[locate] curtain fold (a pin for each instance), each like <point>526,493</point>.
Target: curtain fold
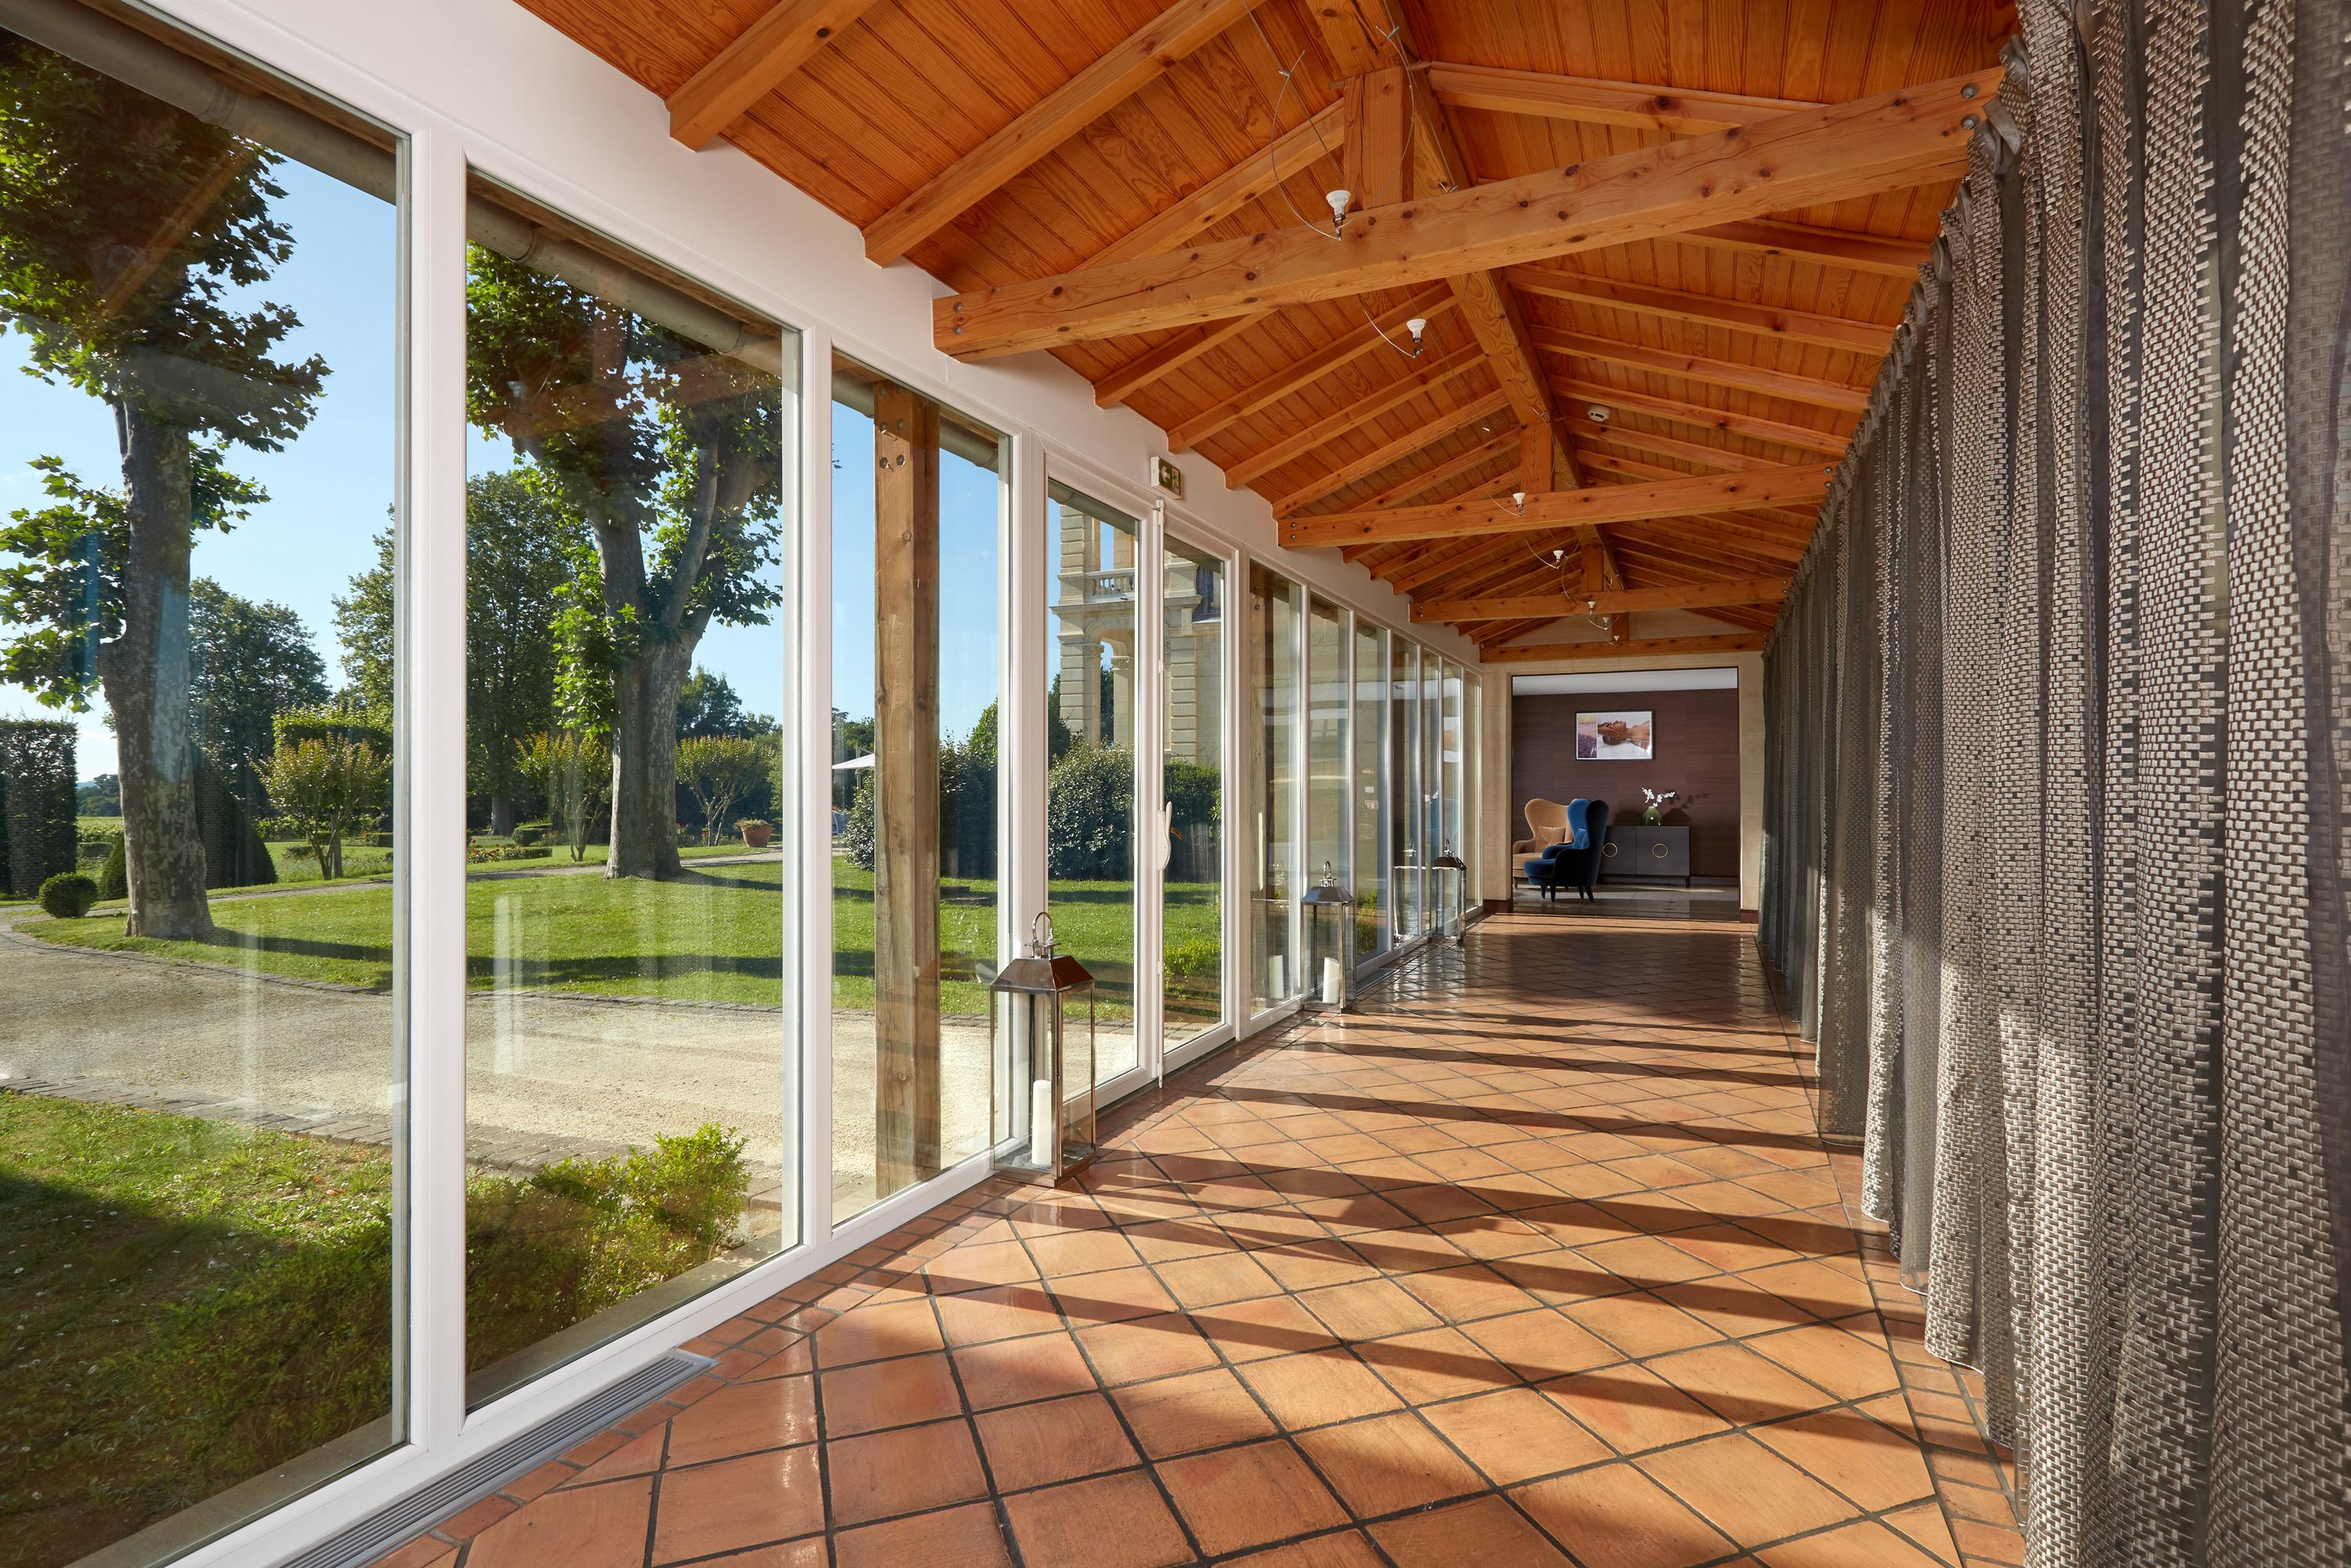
<point>2059,737</point>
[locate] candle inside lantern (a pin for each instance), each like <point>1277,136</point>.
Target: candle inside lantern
<point>1043,1123</point>
<point>1274,987</point>
<point>1335,985</point>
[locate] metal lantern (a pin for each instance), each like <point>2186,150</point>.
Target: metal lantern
<point>1046,1131</point>
<point>1449,864</point>
<point>1330,912</point>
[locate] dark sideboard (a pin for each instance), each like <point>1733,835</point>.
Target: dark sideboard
<point>1635,851</point>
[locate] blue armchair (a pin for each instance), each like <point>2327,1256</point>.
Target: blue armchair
<point>1574,862</point>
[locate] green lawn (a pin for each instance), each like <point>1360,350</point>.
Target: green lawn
<point>714,935</point>
<point>187,1303</point>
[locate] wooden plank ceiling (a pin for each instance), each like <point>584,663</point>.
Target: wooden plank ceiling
<point>1586,200</point>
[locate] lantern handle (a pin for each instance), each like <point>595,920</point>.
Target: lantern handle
<point>1041,935</point>
<point>1330,877</point>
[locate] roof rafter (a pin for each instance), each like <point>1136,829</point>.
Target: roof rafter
<point>1676,411</point>
<point>1679,110</point>
<point>1690,596</point>
<point>1430,302</point>
<point>1145,55</point>
<point>1810,156</point>
<point>1865,337</point>
<point>1827,247</point>
<point>1425,434</point>
<point>1644,647</point>
<point>1752,378</point>
<point>747,70</point>
<point>1362,412</point>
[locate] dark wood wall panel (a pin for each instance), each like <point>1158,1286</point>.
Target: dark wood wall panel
<point>1698,754</point>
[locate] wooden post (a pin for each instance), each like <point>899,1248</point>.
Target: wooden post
<point>1376,162</point>
<point>906,788</point>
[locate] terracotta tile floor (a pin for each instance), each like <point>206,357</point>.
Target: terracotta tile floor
<point>1538,1261</point>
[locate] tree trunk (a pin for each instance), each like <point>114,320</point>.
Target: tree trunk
<point>644,763</point>
<point>502,815</point>
<point>145,676</point>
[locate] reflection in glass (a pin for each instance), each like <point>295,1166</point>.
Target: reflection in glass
<point>1327,834</point>
<point>627,1061</point>
<point>917,506</point>
<point>1404,781</point>
<point>1371,740</point>
<point>1090,709</point>
<point>199,1058</point>
<point>1193,769</point>
<point>1451,749</point>
<point>1276,605</point>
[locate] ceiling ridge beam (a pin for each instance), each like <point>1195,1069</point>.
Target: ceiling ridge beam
<point>1681,112</point>
<point>1688,496</point>
<point>1144,56</point>
<point>757,63</point>
<point>1865,337</point>
<point>1688,596</point>
<point>1638,648</point>
<point>1430,303</point>
<point>1425,434</point>
<point>1753,379</point>
<point>1797,160</point>
<point>1357,413</point>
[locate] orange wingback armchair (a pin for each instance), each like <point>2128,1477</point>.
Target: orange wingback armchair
<point>1546,826</point>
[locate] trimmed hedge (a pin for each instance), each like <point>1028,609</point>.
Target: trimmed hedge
<point>298,725</point>
<point>69,895</point>
<point>39,834</point>
<point>235,855</point>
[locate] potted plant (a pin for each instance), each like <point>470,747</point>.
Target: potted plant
<point>756,833</point>
<point>1660,801</point>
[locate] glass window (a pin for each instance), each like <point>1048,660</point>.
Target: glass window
<point>1452,885</point>
<point>1276,606</point>
<point>1328,837</point>
<point>1371,741</point>
<point>629,1062</point>
<point>1432,784</point>
<point>1404,782</point>
<point>200,1209</point>
<point>1192,769</point>
<point>918,525</point>
<point>1090,828</point>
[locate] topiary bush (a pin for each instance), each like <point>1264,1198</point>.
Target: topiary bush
<point>69,895</point>
<point>114,882</point>
<point>1090,813</point>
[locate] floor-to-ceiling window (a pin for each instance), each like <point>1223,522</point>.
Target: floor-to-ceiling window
<point>1329,839</point>
<point>203,765</point>
<point>1276,609</point>
<point>628,1063</point>
<point>1371,791</point>
<point>1192,767</point>
<point>917,523</point>
<point>1431,786</point>
<point>1407,823</point>
<point>1092,559</point>
<point>1454,885</point>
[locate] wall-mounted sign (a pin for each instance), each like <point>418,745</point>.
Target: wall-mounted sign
<point>1166,478</point>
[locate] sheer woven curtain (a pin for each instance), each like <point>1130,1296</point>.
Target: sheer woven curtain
<point>2055,855</point>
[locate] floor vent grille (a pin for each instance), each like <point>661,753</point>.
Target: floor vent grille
<point>396,1522</point>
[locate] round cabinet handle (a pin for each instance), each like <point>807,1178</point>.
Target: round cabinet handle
<point>1609,848</point>
<point>1658,851</point>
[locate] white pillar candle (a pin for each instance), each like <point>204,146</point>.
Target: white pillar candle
<point>1334,989</point>
<point>1274,988</point>
<point>1043,1124</point>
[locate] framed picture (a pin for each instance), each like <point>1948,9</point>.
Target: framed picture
<point>1627,735</point>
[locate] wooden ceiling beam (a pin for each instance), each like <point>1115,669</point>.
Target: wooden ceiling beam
<point>1362,412</point>
<point>1824,247</point>
<point>1753,379</point>
<point>1690,495</point>
<point>1591,101</point>
<point>1427,434</point>
<point>1444,557</point>
<point>1678,305</point>
<point>1845,151</point>
<point>1623,601</point>
<point>1453,468</point>
<point>1614,434</point>
<point>1298,148</point>
<point>1676,411</point>
<point>1430,302</point>
<point>1642,647</point>
<point>1164,359</point>
<point>747,70</point>
<point>1143,57</point>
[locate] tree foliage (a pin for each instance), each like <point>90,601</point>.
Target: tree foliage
<point>37,839</point>
<point>328,785</point>
<point>572,771</point>
<point>247,663</point>
<point>708,705</point>
<point>720,771</point>
<point>1090,813</point>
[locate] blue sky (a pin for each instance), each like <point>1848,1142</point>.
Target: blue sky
<point>332,490</point>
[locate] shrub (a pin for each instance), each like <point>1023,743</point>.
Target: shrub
<point>573,771</point>
<point>327,784</point>
<point>719,771</point>
<point>38,805</point>
<point>69,895</point>
<point>488,855</point>
<point>530,833</point>
<point>1090,812</point>
<point>114,882</point>
<point>1196,958</point>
